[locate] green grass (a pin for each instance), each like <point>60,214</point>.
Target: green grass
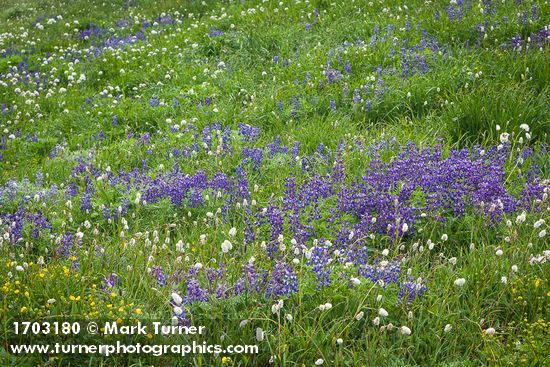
<point>472,91</point>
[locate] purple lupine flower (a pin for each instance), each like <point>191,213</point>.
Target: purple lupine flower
<point>158,274</point>
<point>226,140</point>
<point>66,247</point>
<point>154,102</point>
<point>86,200</point>
<point>319,262</point>
<point>166,20</point>
<point>333,75</point>
<point>195,293</point>
<point>456,10</point>
<point>296,149</point>
<point>215,32</point>
<point>110,281</point>
<point>356,96</point>
<point>382,272</point>
<point>252,155</point>
<point>249,133</point>
<point>239,287</point>
<point>411,289</point>
<point>347,68</point>
<point>283,280</point>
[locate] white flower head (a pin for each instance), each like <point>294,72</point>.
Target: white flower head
<point>504,138</point>
<point>277,307</point>
<point>177,298</point>
<point>243,323</point>
<point>460,282</point>
<point>226,246</point>
<point>524,127</point>
<point>521,218</point>
<point>259,334</point>
<point>382,312</point>
<point>538,223</point>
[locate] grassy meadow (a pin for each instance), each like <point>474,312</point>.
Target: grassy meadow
<point>339,183</point>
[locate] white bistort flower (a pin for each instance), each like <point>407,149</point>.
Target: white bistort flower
<point>277,307</point>
<point>355,281</point>
<point>177,298</point>
<point>243,323</point>
<point>460,282</point>
<point>226,246</point>
<point>524,127</point>
<point>521,218</point>
<point>259,334</point>
<point>504,138</point>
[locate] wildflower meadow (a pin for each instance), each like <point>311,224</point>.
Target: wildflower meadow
<point>275,183</point>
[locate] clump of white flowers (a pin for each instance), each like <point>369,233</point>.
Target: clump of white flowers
<point>460,282</point>
<point>226,246</point>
